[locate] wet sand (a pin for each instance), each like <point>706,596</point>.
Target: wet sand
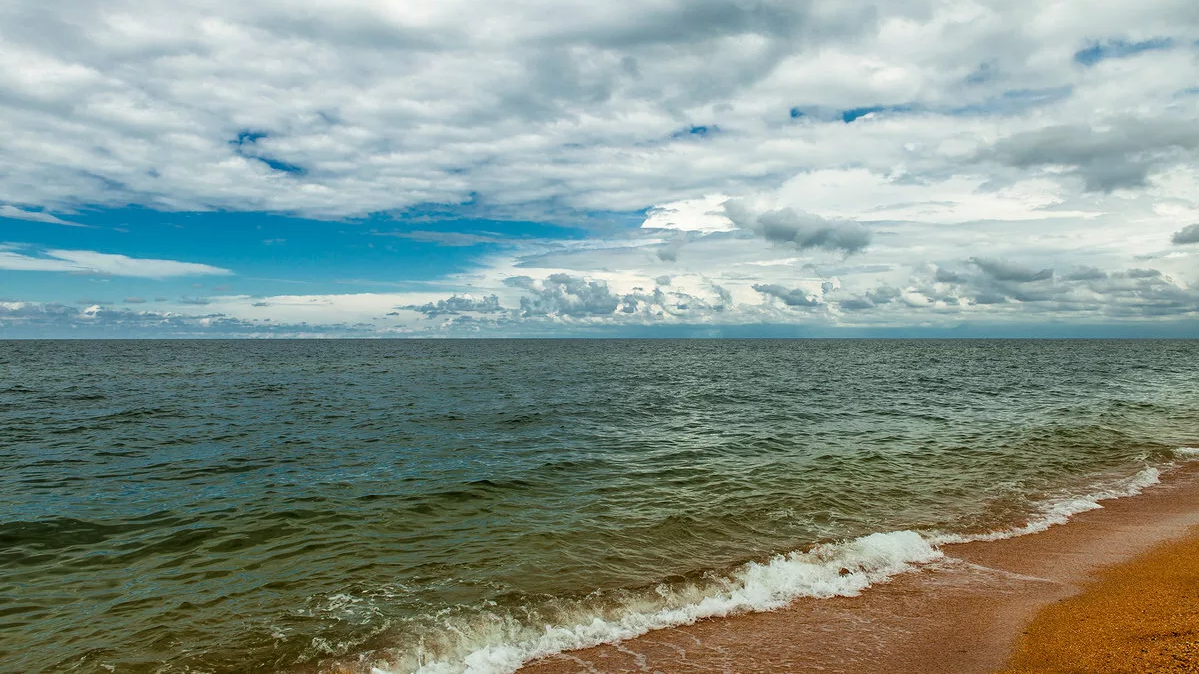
<point>968,612</point>
<point>1140,616</point>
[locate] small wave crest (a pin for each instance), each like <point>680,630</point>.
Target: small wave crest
<point>826,570</point>
<point>1058,510</point>
<point>493,644</point>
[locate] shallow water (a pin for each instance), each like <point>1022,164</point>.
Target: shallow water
<point>260,506</point>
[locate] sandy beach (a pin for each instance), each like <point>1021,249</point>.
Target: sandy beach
<point>1112,590</point>
<point>1138,616</point>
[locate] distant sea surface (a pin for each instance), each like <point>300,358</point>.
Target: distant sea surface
<point>451,506</point>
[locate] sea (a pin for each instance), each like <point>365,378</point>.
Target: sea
<point>451,506</point>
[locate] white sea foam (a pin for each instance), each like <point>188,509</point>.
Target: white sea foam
<point>827,570</point>
<point>1059,510</point>
<point>833,569</point>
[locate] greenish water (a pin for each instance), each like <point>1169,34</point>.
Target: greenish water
<point>263,506</point>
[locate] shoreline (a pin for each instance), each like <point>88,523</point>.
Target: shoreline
<point>963,613</point>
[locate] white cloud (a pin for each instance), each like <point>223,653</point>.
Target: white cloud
<point>378,106</point>
<point>92,262</point>
<point>691,215</point>
<point>936,132</point>
<point>8,211</point>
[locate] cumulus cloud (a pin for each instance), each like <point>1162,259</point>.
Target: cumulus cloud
<point>457,305</point>
<point>1005,287</point>
<point>803,230</point>
<point>565,295</point>
<point>1188,234</point>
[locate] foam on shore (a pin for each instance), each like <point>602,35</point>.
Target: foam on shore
<point>493,644</point>
<point>827,570</point>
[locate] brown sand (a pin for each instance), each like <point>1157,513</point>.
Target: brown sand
<point>1141,616</point>
<point>964,614</point>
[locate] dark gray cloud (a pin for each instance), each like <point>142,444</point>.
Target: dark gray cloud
<point>1121,156</point>
<point>670,252</point>
<point>1085,274</point>
<point>134,300</point>
<point>792,297</point>
<point>1000,270</point>
<point>803,230</point>
<point>943,275</point>
<point>1189,234</point>
<point>870,299</point>
<point>1143,273</point>
<point>457,305</point>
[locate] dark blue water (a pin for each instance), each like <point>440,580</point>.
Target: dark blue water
<point>262,506</point>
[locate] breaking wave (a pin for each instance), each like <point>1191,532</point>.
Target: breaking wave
<point>493,644</point>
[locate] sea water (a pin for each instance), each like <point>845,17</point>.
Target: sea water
<point>464,506</point>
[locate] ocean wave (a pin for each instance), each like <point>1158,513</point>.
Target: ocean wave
<point>826,570</point>
<point>497,645</point>
<point>1058,510</point>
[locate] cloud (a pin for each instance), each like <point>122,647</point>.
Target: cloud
<point>875,145</point>
<point>669,252</point>
<point>1121,156</point>
<point>792,297</point>
<point>30,319</point>
<point>455,239</point>
<point>803,230</point>
<point>870,299</point>
<point>457,305</point>
<point>92,262</point>
<point>367,108</point>
<point>564,295</point>
<point>7,211</point>
<point>1085,274</point>
<point>1005,271</point>
<point>1188,234</point>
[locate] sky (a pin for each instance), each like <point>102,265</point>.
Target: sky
<point>674,168</point>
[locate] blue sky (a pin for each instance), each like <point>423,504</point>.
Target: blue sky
<point>699,168</point>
